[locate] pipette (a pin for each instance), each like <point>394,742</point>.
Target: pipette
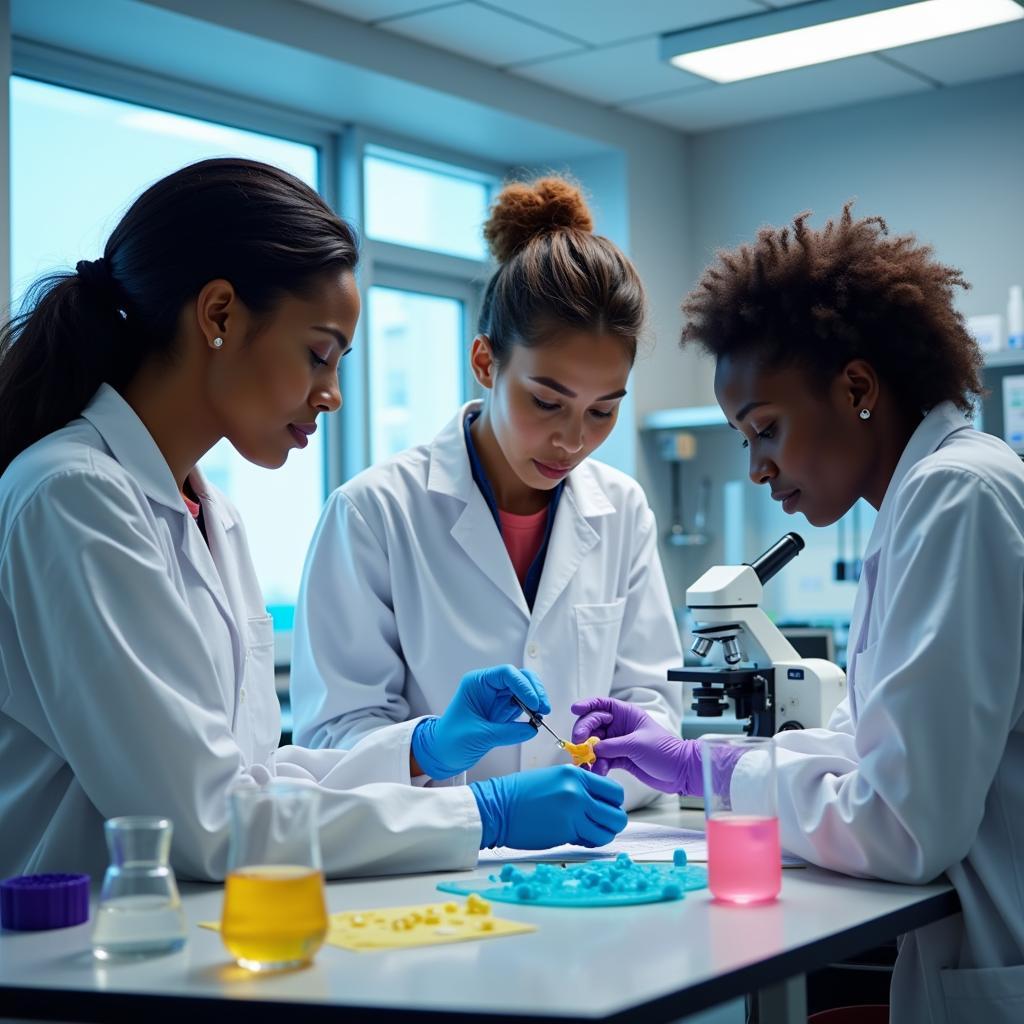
<point>537,721</point>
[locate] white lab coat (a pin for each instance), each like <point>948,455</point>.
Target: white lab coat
<point>408,585</point>
<point>136,676</point>
<point>921,770</point>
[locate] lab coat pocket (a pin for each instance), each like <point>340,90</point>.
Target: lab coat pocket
<point>258,691</point>
<point>862,672</point>
<point>597,629</point>
<point>993,995</point>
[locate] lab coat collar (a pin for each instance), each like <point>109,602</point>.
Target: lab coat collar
<point>134,448</point>
<point>450,472</point>
<point>931,433</point>
<point>588,494</point>
<point>132,445</point>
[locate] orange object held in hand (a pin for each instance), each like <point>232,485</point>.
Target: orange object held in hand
<point>582,753</point>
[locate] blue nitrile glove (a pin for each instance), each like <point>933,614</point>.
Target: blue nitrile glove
<point>548,807</point>
<point>480,717</point>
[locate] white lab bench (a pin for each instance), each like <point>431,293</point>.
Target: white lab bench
<point>651,963</point>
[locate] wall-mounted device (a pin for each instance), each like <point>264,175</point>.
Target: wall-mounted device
<point>1002,409</point>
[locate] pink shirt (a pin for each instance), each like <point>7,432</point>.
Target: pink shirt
<point>523,536</point>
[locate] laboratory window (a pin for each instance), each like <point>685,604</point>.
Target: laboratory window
<point>76,161</point>
<point>417,352</point>
<point>425,204</point>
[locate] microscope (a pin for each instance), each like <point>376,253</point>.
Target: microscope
<point>770,687</point>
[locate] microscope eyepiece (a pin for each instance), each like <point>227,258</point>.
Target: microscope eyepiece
<point>701,646</point>
<point>778,555</point>
<point>731,651</point>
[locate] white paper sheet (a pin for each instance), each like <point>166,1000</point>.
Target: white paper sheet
<point>641,840</point>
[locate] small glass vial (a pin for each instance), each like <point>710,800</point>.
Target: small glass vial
<point>139,912</point>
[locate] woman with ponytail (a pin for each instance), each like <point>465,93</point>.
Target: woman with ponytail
<point>502,539</point>
<point>136,670</point>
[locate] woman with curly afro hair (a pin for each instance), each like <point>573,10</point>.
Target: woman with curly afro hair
<point>502,539</point>
<point>843,365</point>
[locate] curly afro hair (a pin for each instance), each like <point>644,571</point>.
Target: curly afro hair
<point>818,299</point>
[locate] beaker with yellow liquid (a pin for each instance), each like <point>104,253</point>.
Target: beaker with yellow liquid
<point>274,915</point>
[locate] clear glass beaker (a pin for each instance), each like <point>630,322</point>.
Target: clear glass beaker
<point>139,912</point>
<point>744,852</point>
<point>275,915</point>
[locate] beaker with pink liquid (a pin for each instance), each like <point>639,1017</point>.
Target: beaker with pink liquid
<point>744,851</point>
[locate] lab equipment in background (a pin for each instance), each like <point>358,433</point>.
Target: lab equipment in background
<point>33,903</point>
<point>769,686</point>
<point>744,850</point>
<point>1013,411</point>
<point>847,570</point>
<point>811,641</point>
<point>677,448</point>
<point>1002,406</point>
<point>275,915</point>
<point>1015,318</point>
<point>139,912</point>
<point>987,331</point>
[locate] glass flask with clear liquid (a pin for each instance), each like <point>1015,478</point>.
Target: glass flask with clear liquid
<point>139,912</point>
<point>275,915</point>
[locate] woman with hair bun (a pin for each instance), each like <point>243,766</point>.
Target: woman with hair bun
<point>502,540</point>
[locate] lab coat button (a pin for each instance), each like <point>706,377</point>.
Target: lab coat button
<point>241,694</point>
<point>532,650</point>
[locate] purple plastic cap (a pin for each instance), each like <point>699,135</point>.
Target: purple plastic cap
<point>31,903</point>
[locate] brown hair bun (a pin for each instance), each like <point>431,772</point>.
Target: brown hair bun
<point>526,210</point>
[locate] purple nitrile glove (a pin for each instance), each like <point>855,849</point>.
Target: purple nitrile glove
<point>630,739</point>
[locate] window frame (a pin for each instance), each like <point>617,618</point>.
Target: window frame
<point>421,282</point>
<point>341,148</point>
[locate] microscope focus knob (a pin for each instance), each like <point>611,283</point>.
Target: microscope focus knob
<point>789,726</point>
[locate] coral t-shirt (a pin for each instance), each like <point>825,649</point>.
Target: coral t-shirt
<point>523,536</point>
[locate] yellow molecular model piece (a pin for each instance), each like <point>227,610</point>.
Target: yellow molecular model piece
<point>427,925</point>
<point>582,753</point>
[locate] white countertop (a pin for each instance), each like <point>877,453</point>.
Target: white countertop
<point>657,961</point>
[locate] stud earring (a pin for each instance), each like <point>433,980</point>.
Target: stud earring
<point>216,343</point>
<point>865,414</point>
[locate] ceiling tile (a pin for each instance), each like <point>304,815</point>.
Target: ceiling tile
<point>610,21</point>
<point>968,57</point>
<point>481,34</point>
<point>372,10</point>
<point>612,74</point>
<point>792,92</point>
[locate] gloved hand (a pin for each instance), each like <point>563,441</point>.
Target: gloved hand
<point>632,740</point>
<point>548,807</point>
<point>480,717</point>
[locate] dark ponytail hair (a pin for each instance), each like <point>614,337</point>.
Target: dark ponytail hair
<point>252,224</point>
<point>554,271</point>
